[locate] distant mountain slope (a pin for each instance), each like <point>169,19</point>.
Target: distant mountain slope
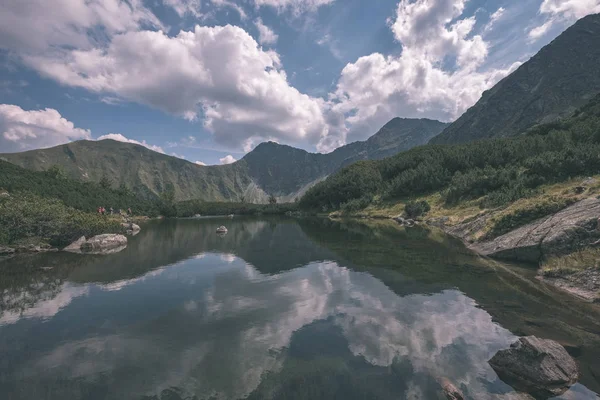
<point>270,168</point>
<point>561,77</point>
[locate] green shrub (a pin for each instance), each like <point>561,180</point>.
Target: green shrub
<point>356,205</point>
<point>415,209</point>
<point>25,217</point>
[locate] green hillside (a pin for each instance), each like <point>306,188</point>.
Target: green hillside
<point>498,170</point>
<point>270,169</point>
<point>563,76</point>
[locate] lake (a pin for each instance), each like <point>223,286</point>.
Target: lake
<point>277,309</point>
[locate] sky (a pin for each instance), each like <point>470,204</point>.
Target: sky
<point>208,80</point>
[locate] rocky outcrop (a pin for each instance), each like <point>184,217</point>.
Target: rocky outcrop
<point>131,228</point>
<point>584,284</point>
<point>104,244</point>
<point>540,367</point>
<point>571,229</point>
<point>76,245</point>
<point>6,251</point>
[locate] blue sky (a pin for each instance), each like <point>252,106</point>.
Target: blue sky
<point>207,80</point>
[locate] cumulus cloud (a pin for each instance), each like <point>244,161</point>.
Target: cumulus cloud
<point>266,35</point>
<point>376,88</point>
<point>563,11</point>
<point>227,160</point>
<point>296,6</point>
<point>34,25</point>
<point>25,130</point>
<point>200,163</point>
<point>241,89</point>
<point>120,138</point>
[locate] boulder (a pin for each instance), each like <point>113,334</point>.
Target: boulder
<point>540,367</point>
<point>131,228</point>
<point>75,247</point>
<point>104,244</point>
<point>569,230</point>
<point>399,220</point>
<point>4,251</point>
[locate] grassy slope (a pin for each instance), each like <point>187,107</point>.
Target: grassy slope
<point>275,169</point>
<point>142,170</point>
<point>468,210</point>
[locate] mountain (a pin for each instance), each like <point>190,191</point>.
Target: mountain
<point>560,78</point>
<point>270,168</point>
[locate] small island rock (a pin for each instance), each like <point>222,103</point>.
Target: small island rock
<point>540,367</point>
<point>76,245</point>
<point>104,244</point>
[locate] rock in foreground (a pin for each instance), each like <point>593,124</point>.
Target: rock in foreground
<point>101,244</point>
<point>571,229</point>
<point>540,367</point>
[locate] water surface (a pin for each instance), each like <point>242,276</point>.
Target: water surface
<point>276,309</point>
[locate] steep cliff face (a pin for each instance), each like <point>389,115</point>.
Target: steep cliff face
<point>561,77</point>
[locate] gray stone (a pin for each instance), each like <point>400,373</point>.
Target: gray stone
<point>540,367</point>
<point>4,251</point>
<point>570,229</point>
<point>104,244</point>
<point>75,247</point>
<point>131,228</point>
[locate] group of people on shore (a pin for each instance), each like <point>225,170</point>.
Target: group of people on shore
<point>111,211</point>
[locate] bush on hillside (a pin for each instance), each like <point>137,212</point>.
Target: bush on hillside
<point>416,209</point>
<point>26,217</point>
<point>499,171</point>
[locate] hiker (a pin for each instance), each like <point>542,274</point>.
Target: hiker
<point>129,211</point>
<point>111,211</point>
<point>100,210</point>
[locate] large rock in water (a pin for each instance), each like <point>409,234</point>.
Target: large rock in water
<point>540,367</point>
<point>104,244</point>
<point>75,247</point>
<point>568,230</point>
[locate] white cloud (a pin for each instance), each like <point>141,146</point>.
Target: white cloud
<point>494,18</point>
<point>227,160</point>
<point>296,6</point>
<point>266,34</point>
<point>120,138</point>
<point>565,11</point>
<point>376,88</point>
<point>232,5</point>
<point>541,30</point>
<point>200,163</point>
<point>183,7</point>
<point>241,89</point>
<point>25,130</point>
<point>33,25</point>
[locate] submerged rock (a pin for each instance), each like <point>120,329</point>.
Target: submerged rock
<point>104,244</point>
<point>540,367</point>
<point>450,391</point>
<point>568,230</point>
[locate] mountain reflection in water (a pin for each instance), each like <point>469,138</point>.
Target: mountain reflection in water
<point>277,309</point>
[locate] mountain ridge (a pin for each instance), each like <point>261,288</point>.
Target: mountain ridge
<point>270,169</point>
<point>561,77</point>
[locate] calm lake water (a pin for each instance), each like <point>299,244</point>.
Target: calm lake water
<point>276,309</point>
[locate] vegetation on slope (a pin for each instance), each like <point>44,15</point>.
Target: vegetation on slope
<point>27,218</point>
<point>270,169</point>
<point>84,196</point>
<point>190,208</point>
<point>497,171</point>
